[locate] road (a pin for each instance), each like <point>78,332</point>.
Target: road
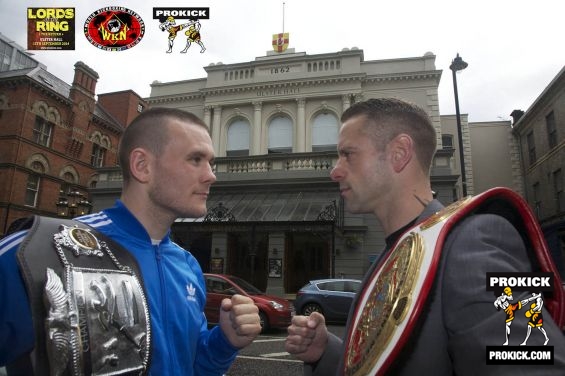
<point>266,356</point>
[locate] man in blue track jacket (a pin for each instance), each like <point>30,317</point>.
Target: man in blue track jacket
<point>166,157</point>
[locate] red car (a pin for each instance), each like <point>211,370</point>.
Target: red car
<point>274,312</point>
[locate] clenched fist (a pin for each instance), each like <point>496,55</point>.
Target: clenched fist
<point>239,320</point>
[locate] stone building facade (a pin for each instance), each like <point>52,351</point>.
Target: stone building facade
<point>540,133</point>
<point>274,124</point>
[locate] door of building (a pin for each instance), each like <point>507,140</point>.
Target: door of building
<point>247,257</point>
<point>307,257</point>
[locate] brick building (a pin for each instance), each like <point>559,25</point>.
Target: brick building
<point>53,136</point>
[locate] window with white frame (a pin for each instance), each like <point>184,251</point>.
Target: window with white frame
<point>97,156</point>
<point>324,132</point>
<point>42,131</point>
<point>100,143</point>
<point>32,190</point>
<point>238,138</point>
<point>280,135</point>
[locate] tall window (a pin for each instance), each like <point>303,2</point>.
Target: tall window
<point>531,147</point>
<point>69,179</point>
<point>558,191</point>
<point>42,131</point>
<point>324,132</point>
<point>100,143</point>
<point>551,130</point>
<point>32,190</point>
<point>280,135</point>
<point>97,156</point>
<point>447,141</point>
<point>238,138</point>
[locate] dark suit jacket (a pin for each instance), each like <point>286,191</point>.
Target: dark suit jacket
<point>460,320</point>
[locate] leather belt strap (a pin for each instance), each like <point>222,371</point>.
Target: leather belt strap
<point>390,304</point>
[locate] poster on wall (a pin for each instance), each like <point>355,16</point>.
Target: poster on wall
<point>275,268</point>
<point>217,265</point>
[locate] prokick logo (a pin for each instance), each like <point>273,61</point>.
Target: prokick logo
<point>114,28</point>
<point>168,21</point>
<point>525,311</point>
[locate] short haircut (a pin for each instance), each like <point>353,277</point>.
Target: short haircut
<point>389,117</point>
<point>149,130</point>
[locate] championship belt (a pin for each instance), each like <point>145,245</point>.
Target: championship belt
<point>89,309</point>
<point>389,305</point>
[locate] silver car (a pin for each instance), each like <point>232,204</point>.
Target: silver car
<point>330,297</point>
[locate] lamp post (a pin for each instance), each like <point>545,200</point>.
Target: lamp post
<point>458,64</point>
<point>72,204</point>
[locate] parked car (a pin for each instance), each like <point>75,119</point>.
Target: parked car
<point>274,312</point>
<point>331,297</point>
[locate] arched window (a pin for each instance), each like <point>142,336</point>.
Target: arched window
<point>70,179</point>
<point>280,135</point>
<point>238,138</point>
<point>37,166</point>
<point>42,131</point>
<point>38,163</point>
<point>324,132</point>
<point>100,143</point>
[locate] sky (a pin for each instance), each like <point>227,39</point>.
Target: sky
<point>514,48</point>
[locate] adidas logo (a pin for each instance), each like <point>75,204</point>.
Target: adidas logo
<point>191,291</point>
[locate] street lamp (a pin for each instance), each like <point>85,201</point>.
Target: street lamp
<point>72,204</point>
<point>458,64</point>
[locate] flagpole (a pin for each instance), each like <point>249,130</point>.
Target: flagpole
<point>283,18</point>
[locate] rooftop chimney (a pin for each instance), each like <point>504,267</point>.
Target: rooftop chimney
<point>85,80</point>
<point>516,115</point>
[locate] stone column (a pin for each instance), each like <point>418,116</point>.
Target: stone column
<point>257,129</point>
<point>300,126</point>
<point>346,99</point>
<point>207,116</point>
<point>216,124</point>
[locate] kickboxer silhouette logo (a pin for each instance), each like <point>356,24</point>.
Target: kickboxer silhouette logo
<point>533,313</point>
<point>527,310</point>
<point>168,21</point>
